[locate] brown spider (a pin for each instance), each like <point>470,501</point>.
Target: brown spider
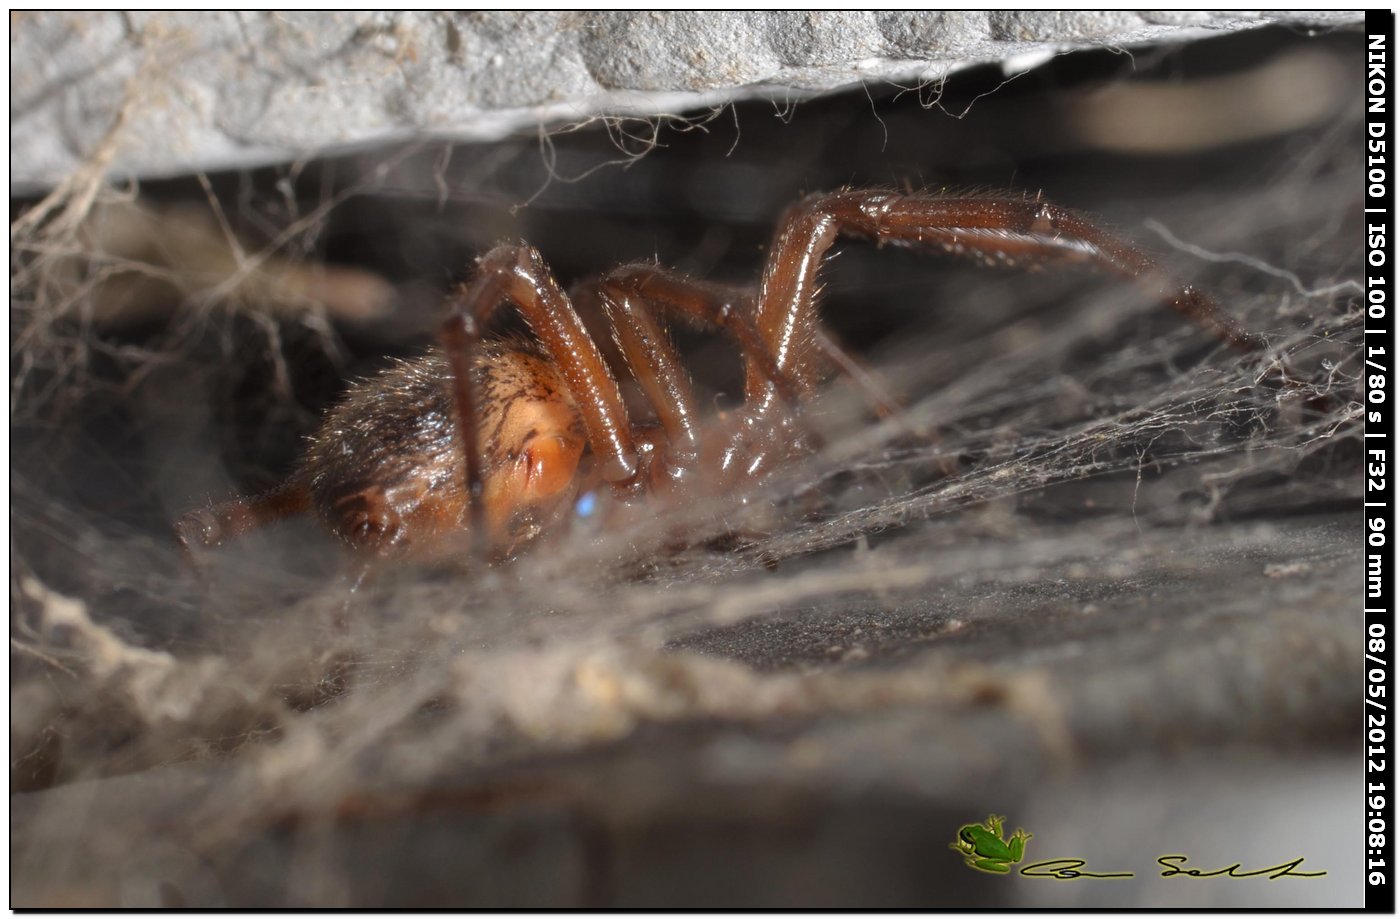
<point>489,436</point>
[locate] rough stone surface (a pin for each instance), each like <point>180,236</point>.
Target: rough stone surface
<point>205,90</point>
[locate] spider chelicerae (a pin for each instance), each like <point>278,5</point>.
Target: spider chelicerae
<point>488,437</point>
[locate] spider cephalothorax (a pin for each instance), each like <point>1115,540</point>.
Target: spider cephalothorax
<point>488,438</point>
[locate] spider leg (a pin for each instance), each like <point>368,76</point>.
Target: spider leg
<point>209,528</point>
<point>657,368</point>
<point>1012,232</point>
<point>630,295</point>
<point>518,274</point>
<point>728,309</point>
<point>713,306</point>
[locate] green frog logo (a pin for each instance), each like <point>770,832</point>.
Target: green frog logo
<point>983,848</point>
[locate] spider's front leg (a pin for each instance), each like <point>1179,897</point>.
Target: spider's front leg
<point>518,274</point>
<point>998,231</point>
<point>1008,232</point>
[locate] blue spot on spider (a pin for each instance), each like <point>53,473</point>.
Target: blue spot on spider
<point>586,504</point>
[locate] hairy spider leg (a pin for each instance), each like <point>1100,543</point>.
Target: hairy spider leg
<point>728,309</point>
<point>631,293</point>
<point>711,305</point>
<point>631,296</point>
<point>657,368</point>
<point>518,274</point>
<point>1011,232</point>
